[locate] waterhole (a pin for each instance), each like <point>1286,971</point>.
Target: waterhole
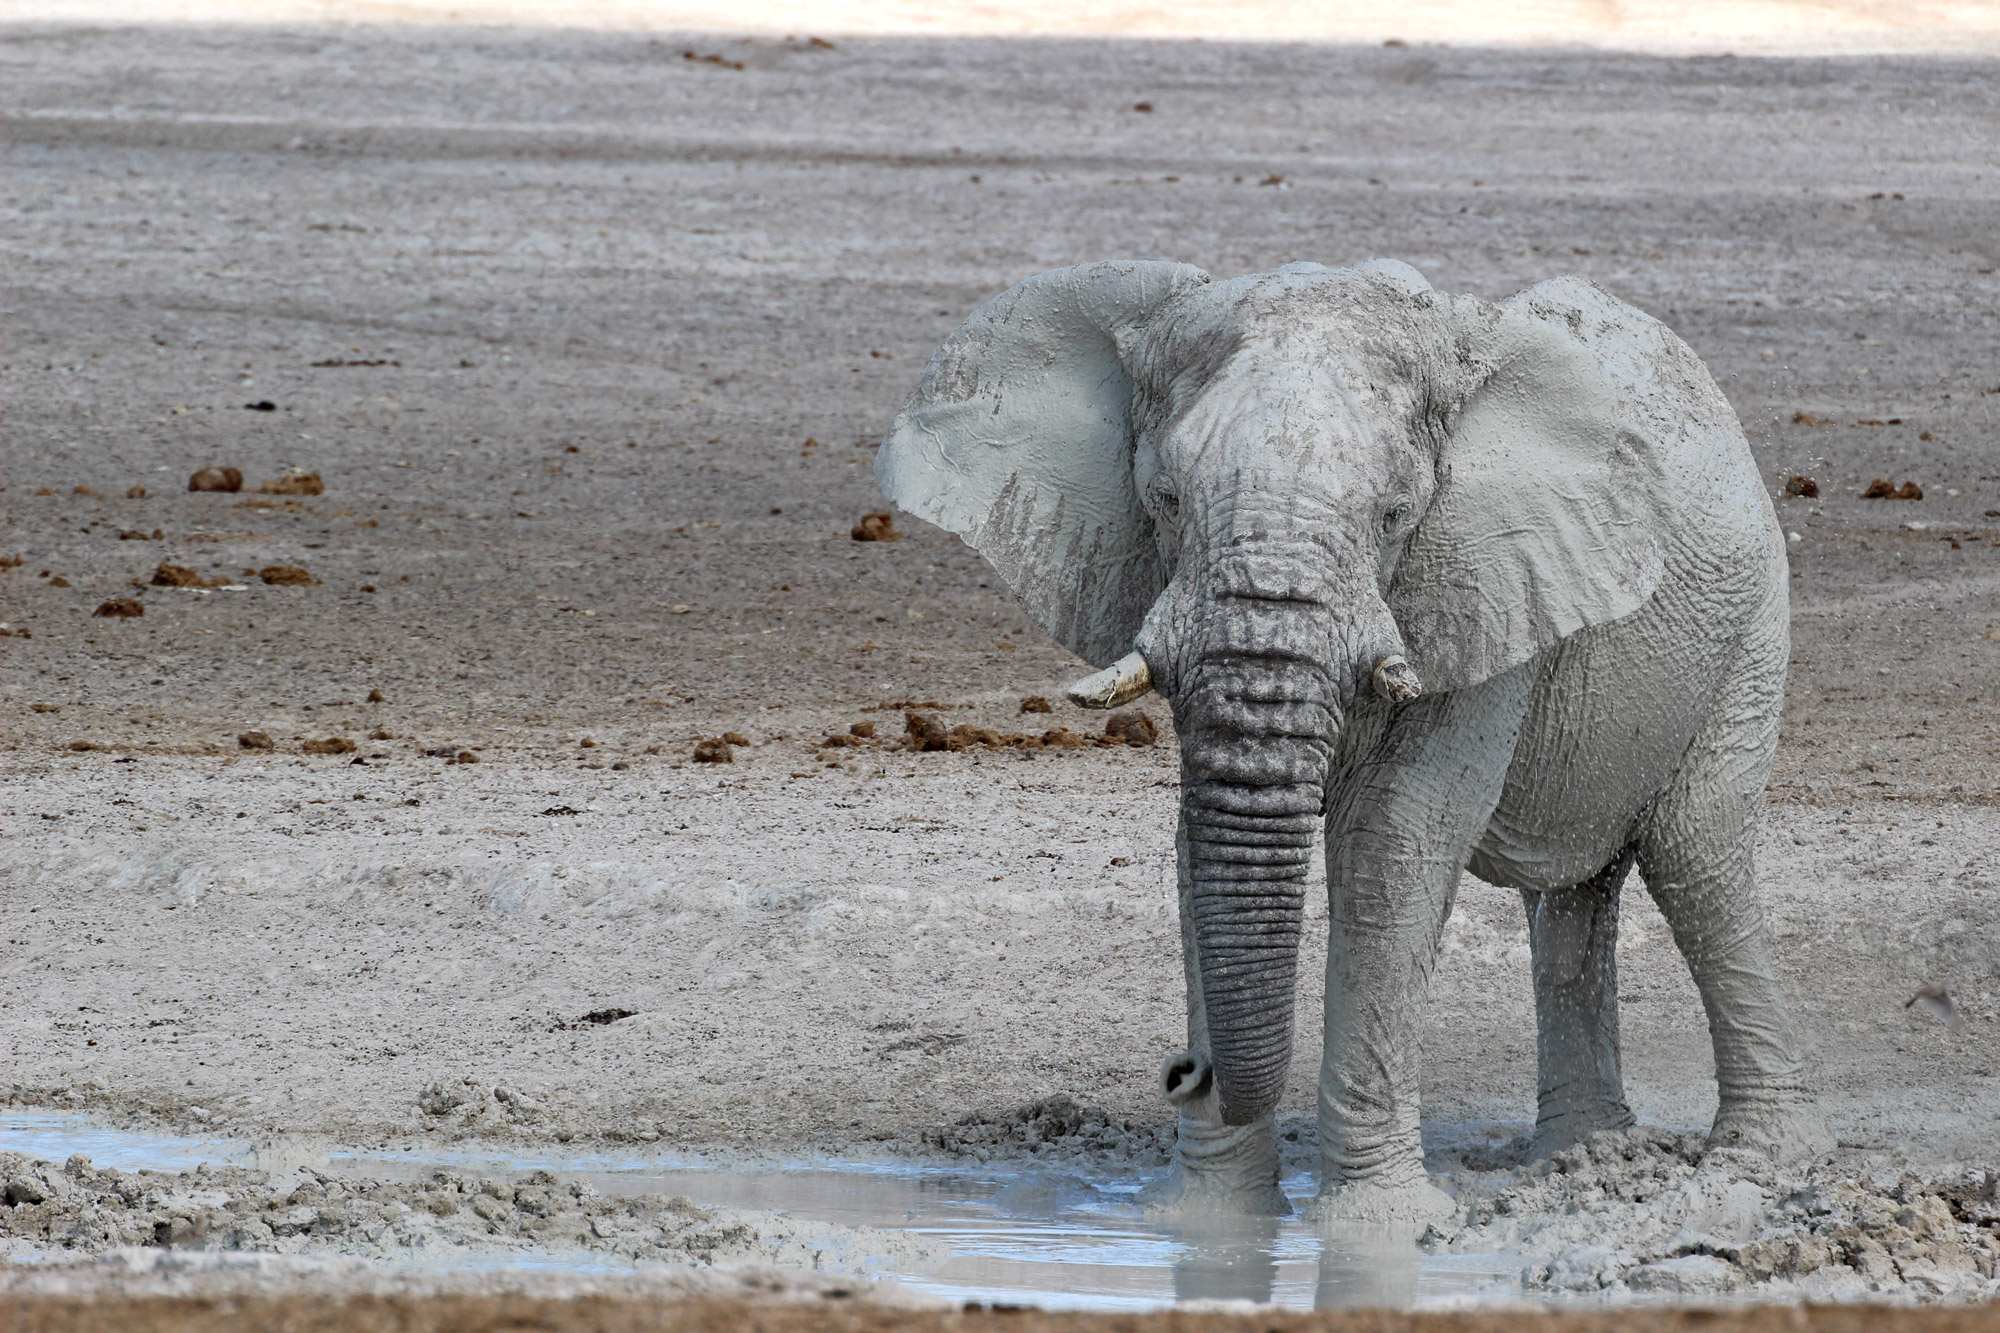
<point>1019,1234</point>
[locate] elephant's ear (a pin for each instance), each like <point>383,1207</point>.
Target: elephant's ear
<point>1019,439</point>
<point>1548,503</point>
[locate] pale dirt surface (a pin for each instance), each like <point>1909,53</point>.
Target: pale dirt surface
<point>683,271</point>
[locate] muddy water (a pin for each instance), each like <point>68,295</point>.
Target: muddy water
<point>1019,1234</point>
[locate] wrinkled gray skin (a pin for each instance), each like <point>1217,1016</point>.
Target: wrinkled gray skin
<point>1269,486</point>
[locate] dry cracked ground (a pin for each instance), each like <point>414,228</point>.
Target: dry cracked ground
<point>588,340</point>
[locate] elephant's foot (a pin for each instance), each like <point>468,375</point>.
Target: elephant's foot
<point>1788,1130</point>
<point>1221,1169</point>
<point>1400,1197</point>
<point>1561,1127</point>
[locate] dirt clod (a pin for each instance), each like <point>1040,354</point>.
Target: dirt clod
<point>1803,418</point>
<point>1062,738</point>
<point>288,576</point>
<point>295,483</point>
<point>1035,703</point>
<point>135,492</point>
<point>865,730</point>
<point>120,608</point>
<point>381,734</point>
<point>377,697</point>
<point>216,479</point>
<point>170,575</point>
<point>714,751</point>
<point>256,740</point>
<point>876,527</point>
<point>331,745</point>
<point>735,738</point>
<point>1804,487</point>
<point>1883,489</point>
<point>58,581</point>
<point>1132,727</point>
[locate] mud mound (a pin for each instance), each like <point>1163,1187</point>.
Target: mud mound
<point>1647,1211</point>
<point>78,1208</point>
<point>1054,1128</point>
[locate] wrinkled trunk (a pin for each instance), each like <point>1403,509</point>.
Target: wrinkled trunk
<point>1251,780</point>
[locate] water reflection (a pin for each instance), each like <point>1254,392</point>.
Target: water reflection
<point>1020,1233</point>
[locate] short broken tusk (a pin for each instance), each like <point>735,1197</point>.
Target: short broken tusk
<point>1396,680</point>
<point>1120,683</point>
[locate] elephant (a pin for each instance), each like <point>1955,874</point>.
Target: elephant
<point>1470,585</point>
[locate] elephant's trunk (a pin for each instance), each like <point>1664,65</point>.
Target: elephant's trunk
<point>1254,754</point>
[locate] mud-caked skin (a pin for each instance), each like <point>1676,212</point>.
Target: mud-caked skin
<point>1467,585</point>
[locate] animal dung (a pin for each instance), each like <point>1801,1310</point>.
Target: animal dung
<point>1035,703</point>
<point>923,731</point>
<point>1132,727</point>
<point>735,738</point>
<point>122,608</point>
<point>295,482</point>
<point>381,734</point>
<point>377,697</point>
<point>1804,487</point>
<point>1883,489</point>
<point>876,527</point>
<point>331,745</point>
<point>287,576</point>
<point>256,740</point>
<point>135,492</point>
<point>1062,738</point>
<point>216,479</point>
<point>170,575</point>
<point>714,751</point>
<point>83,490</point>
<point>865,730</point>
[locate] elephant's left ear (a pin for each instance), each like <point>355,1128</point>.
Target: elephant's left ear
<point>1546,516</point>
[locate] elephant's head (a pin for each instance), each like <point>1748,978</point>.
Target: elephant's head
<point>1276,499</point>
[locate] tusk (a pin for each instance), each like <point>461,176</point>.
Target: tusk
<point>1396,680</point>
<point>1120,683</point>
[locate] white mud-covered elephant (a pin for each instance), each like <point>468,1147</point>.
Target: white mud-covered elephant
<point>1473,585</point>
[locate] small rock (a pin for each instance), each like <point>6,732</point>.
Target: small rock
<point>587,743</point>
<point>295,483</point>
<point>216,479</point>
<point>465,757</point>
<point>290,576</point>
<point>865,730</point>
<point>377,697</point>
<point>25,1190</point>
<point>58,581</point>
<point>715,751</point>
<point>82,746</point>
<point>735,738</point>
<point>46,708</point>
<point>1804,487</point>
<point>135,493</point>
<point>84,490</point>
<point>381,734</point>
<point>876,527</point>
<point>256,740</point>
<point>1133,727</point>
<point>331,745</point>
<point>261,405</point>
<point>121,608</point>
<point>1035,703</point>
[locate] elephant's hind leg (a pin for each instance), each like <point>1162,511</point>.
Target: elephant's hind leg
<point>1695,853</point>
<point>1573,935</point>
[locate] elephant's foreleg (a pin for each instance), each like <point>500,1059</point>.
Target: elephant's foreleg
<point>1402,821</point>
<point>1573,935</point>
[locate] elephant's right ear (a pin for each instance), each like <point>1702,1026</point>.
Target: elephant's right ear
<point>1019,439</point>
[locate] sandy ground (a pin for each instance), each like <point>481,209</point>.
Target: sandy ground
<point>590,343</point>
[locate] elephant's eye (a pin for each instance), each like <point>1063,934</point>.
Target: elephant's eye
<point>1167,500</point>
<point>1395,516</point>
